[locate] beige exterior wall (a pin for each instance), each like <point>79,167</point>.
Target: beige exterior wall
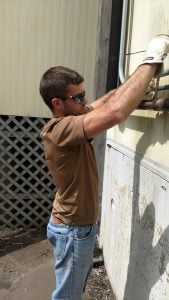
<point>38,34</point>
<point>134,231</point>
<point>146,131</point>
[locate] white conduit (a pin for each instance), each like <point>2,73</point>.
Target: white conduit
<point>123,40</point>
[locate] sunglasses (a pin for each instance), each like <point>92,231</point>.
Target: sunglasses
<point>77,98</point>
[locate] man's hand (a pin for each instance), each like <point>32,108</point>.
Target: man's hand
<point>157,50</point>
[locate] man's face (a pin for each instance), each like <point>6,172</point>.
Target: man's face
<point>71,105</point>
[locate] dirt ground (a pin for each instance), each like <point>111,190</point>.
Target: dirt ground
<point>98,287</point>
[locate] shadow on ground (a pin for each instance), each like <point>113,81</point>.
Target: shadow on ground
<point>27,255</point>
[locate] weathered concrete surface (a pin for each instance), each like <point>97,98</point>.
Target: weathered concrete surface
<point>134,231</point>
<point>27,273</point>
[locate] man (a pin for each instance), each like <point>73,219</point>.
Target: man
<point>70,158</point>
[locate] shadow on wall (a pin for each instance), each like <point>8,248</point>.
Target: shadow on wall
<point>99,144</point>
<point>147,263</point>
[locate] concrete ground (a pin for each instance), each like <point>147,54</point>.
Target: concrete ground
<point>27,274</point>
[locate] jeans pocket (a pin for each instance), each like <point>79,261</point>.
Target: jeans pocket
<point>83,232</point>
<point>58,241</point>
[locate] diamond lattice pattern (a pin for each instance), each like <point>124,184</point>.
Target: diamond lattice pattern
<point>26,188</point>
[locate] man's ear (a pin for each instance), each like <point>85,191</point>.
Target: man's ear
<point>56,104</point>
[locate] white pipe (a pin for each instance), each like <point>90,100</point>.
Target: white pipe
<point>123,40</point>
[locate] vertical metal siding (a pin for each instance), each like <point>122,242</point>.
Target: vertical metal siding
<point>38,34</point>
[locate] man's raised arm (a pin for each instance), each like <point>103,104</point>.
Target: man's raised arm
<point>116,106</point>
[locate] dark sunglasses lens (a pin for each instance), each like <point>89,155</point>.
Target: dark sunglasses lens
<point>79,98</point>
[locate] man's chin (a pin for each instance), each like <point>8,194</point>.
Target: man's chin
<point>81,112</point>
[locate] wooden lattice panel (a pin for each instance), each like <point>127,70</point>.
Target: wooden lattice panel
<point>26,188</point>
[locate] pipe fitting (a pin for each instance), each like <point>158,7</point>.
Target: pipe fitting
<point>161,104</point>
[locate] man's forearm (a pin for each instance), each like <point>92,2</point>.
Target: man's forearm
<point>120,103</point>
<point>137,82</point>
<point>101,101</point>
<point>128,96</point>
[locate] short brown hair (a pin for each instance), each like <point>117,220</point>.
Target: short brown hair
<point>55,81</point>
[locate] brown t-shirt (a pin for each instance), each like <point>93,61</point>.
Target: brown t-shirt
<point>71,162</point>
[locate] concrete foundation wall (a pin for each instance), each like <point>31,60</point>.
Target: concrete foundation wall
<point>134,230</point>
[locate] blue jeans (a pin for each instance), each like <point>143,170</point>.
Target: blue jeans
<point>73,250</point>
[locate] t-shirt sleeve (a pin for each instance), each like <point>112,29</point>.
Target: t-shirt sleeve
<point>67,131</point>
